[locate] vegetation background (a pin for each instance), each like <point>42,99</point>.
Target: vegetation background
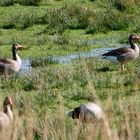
<point>57,28</point>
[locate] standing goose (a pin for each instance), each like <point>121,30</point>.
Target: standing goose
<point>6,116</point>
<point>11,65</point>
<point>87,113</point>
<point>124,55</point>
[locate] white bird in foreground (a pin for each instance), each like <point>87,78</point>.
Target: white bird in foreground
<point>89,112</point>
<point>6,116</point>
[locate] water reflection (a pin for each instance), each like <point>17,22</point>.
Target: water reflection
<point>93,53</point>
<point>25,67</point>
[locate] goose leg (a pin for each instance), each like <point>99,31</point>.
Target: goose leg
<point>6,74</point>
<point>122,67</point>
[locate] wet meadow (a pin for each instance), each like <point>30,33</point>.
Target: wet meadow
<point>62,67</point>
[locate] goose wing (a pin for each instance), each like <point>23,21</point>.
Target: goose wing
<point>117,52</point>
<point>93,109</point>
<point>5,62</point>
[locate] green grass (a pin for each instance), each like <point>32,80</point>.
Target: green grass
<point>68,32</point>
<point>57,28</point>
<point>36,45</point>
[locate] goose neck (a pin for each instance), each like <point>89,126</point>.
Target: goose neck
<point>133,45</point>
<point>14,53</point>
<point>8,112</point>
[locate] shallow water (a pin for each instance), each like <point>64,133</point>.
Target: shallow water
<point>93,53</point>
<point>26,63</point>
<point>68,58</point>
<point>25,67</point>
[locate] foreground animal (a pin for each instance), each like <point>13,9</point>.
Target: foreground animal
<point>124,55</point>
<point>11,65</point>
<point>6,116</point>
<point>87,113</point>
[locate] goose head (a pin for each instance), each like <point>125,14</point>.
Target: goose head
<point>17,46</point>
<point>74,113</point>
<point>134,38</point>
<point>8,102</point>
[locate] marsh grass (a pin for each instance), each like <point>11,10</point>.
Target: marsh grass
<point>44,35</point>
<point>69,16</point>
<point>123,5</point>
<point>39,61</point>
<point>39,113</point>
<point>22,2</point>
